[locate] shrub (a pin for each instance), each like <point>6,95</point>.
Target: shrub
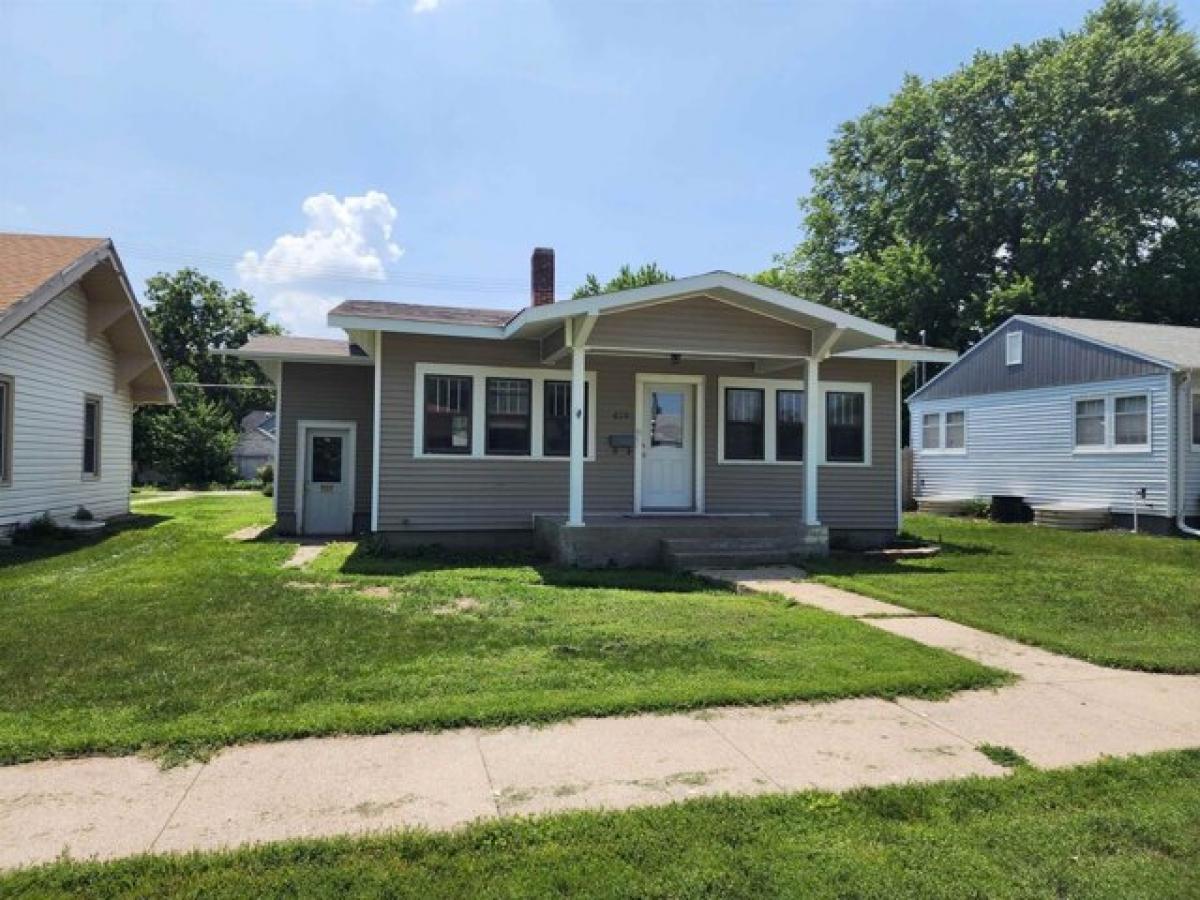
<point>979,508</point>
<point>83,514</point>
<point>269,489</point>
<point>266,473</point>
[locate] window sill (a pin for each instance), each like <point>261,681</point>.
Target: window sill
<point>942,452</point>
<point>493,458</point>
<point>864,464</point>
<point>1111,451</point>
<point>86,477</point>
<point>760,462</point>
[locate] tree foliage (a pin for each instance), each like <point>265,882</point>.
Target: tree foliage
<point>626,277</point>
<point>189,314</point>
<point>1057,178</point>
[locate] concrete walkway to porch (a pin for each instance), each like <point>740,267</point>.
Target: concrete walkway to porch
<point>1061,712</point>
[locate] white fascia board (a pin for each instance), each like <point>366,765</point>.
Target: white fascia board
<point>693,285</point>
<point>931,354</point>
<point>410,326</point>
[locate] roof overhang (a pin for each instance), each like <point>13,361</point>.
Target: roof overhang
<point>532,323</point>
<point>903,354</point>
<point>113,311</point>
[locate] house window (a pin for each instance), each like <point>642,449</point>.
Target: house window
<point>789,425</point>
<point>845,426</point>
<point>1014,348</point>
<point>931,431</point>
<point>556,418</point>
<point>494,412</point>
<point>447,414</point>
<point>745,426</point>
<point>6,429</point>
<point>91,437</point>
<point>956,430</point>
<point>1090,428</point>
<point>509,416</point>
<point>1131,421</point>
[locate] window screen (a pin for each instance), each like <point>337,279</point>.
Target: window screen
<point>447,414</point>
<point>1089,423</point>
<point>744,433</point>
<point>508,416</point>
<point>556,417</point>
<point>91,436</point>
<point>789,425</point>
<point>845,426</point>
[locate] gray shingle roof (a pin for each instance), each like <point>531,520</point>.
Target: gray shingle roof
<point>419,312</point>
<point>286,344</point>
<point>1175,344</point>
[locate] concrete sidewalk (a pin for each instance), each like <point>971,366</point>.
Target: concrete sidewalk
<point>1062,712</point>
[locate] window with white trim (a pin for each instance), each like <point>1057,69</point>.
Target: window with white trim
<point>91,437</point>
<point>845,426</point>
<point>556,418</point>
<point>1014,348</point>
<point>1131,421</point>
<point>745,423</point>
<point>6,429</point>
<point>448,410</point>
<point>789,425</point>
<point>1118,423</point>
<point>493,412</point>
<point>956,430</point>
<point>509,417</point>
<point>931,431</point>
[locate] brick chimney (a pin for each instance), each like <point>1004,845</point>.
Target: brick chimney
<point>541,276</point>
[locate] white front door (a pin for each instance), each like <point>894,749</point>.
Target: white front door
<point>668,447</point>
<point>328,502</point>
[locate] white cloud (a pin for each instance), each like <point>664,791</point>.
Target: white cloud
<point>348,238</point>
<point>344,241</point>
<point>421,6</point>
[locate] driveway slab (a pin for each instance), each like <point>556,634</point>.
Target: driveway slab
<point>853,743</point>
<point>327,786</point>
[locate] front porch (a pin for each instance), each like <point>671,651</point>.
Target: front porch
<point>679,541</point>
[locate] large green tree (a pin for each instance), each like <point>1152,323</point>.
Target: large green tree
<point>189,315</point>
<point>626,277</point>
<point>1057,178</point>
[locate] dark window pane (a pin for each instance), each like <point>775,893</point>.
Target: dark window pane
<point>91,427</point>
<point>744,432</point>
<point>845,427</point>
<point>326,459</point>
<point>447,414</point>
<point>789,425</point>
<point>556,415</point>
<point>508,416</point>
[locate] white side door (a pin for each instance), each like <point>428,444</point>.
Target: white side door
<point>668,447</point>
<point>328,502</point>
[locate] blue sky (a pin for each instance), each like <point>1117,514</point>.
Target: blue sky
<point>418,150</point>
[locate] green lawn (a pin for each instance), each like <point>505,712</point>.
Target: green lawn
<point>166,636</point>
<point>1111,597</point>
<point>1115,830</point>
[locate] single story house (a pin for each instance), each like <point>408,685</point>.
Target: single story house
<point>76,357</point>
<point>1067,414</point>
<point>710,410</point>
<point>255,445</point>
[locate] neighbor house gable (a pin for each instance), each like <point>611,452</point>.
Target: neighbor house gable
<point>1049,357</point>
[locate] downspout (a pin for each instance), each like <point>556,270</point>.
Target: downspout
<point>1183,449</point>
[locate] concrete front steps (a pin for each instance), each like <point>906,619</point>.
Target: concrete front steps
<point>686,553</point>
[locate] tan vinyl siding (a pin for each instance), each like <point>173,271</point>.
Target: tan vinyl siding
<point>53,367</point>
<point>482,494</point>
<point>332,393</point>
<point>700,325</point>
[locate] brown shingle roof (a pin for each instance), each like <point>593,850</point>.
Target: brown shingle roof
<point>27,261</point>
<point>286,344</point>
<point>419,312</point>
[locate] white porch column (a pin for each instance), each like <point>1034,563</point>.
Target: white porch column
<point>814,434</point>
<point>578,393</point>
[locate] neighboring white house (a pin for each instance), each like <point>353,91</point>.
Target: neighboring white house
<point>76,357</point>
<point>1058,411</point>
